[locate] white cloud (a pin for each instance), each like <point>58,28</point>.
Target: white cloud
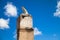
<point>11,10</point>
<point>37,32</point>
<point>57,13</point>
<point>4,23</point>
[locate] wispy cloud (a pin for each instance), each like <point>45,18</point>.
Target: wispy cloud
<point>57,13</point>
<point>54,35</point>
<point>37,32</point>
<point>4,23</point>
<point>15,35</point>
<point>11,10</point>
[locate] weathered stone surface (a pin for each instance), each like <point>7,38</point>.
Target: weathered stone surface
<point>24,27</point>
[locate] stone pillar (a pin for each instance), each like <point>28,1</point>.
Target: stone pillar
<point>26,34</point>
<point>24,27</point>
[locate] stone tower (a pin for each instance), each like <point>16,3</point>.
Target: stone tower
<point>24,26</point>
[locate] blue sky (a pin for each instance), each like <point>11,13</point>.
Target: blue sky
<point>45,13</point>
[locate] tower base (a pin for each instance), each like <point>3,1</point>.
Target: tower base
<point>26,34</point>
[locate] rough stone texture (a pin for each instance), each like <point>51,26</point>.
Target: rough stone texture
<point>26,32</point>
<point>26,21</point>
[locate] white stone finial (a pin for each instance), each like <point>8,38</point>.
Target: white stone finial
<point>24,10</point>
